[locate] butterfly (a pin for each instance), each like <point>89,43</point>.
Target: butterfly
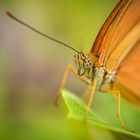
<point>112,65</point>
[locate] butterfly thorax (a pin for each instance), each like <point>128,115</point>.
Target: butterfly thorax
<point>89,69</point>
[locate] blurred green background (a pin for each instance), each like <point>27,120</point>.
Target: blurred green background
<point>32,67</point>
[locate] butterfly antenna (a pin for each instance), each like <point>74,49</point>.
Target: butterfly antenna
<point>35,30</point>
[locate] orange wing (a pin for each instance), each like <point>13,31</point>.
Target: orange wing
<point>125,53</point>
<point>107,47</point>
<point>103,38</point>
<point>123,48</point>
<point>129,19</point>
<point>128,78</point>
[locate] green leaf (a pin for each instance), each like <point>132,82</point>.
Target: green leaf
<point>76,110</point>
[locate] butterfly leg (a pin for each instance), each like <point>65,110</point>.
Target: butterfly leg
<point>118,114</point>
<point>118,111</point>
<point>90,98</point>
<point>74,71</point>
<point>117,93</point>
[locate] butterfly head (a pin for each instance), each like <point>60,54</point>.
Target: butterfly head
<point>85,64</point>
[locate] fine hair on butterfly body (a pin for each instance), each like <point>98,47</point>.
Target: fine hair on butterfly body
<point>105,66</point>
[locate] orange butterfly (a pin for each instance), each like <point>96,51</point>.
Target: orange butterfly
<point>112,66</point>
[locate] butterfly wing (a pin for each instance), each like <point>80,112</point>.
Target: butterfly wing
<point>107,47</point>
<point>129,19</point>
<point>103,38</point>
<point>124,53</point>
<point>128,77</point>
<point>124,48</point>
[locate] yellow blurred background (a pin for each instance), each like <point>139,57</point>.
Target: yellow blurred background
<point>32,67</point>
